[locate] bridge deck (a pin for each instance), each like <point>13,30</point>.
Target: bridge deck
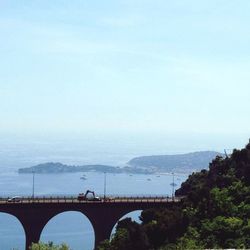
<point>35,212</point>
<point>102,200</point>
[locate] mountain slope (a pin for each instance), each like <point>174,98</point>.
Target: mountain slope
<point>175,163</point>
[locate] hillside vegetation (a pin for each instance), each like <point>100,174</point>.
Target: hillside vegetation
<point>215,213</point>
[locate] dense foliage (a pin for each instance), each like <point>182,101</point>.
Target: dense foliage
<point>214,214</point>
<point>48,246</point>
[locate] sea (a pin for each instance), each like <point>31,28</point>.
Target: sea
<point>74,228</point>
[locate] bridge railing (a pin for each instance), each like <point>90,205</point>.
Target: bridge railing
<point>74,199</point>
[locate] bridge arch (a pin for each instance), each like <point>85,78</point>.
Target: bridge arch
<point>134,215</point>
<point>103,215</point>
<point>79,226</point>
<point>12,233</point>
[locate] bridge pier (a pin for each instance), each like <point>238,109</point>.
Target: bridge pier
<point>104,217</point>
<point>31,237</point>
<point>33,225</point>
<point>103,224</point>
<point>102,233</point>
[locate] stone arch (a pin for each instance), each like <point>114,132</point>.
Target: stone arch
<point>72,220</point>
<point>133,214</point>
<point>6,236</point>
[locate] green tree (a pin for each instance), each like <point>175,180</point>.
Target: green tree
<point>190,240</point>
<point>163,225</point>
<point>129,236</point>
<point>222,232</point>
<point>48,246</point>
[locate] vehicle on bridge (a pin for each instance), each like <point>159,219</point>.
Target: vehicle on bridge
<point>88,196</point>
<point>14,199</point>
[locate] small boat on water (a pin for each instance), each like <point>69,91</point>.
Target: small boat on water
<point>173,184</point>
<point>148,179</point>
<point>83,178</point>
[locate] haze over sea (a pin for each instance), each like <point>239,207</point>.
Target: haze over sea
<point>101,82</point>
<point>27,149</point>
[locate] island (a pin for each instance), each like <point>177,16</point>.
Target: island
<point>179,163</point>
<point>57,167</point>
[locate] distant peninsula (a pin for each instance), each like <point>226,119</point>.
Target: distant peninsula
<point>179,163</point>
<point>190,162</point>
<point>57,167</point>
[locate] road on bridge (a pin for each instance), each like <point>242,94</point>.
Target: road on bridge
<point>53,199</point>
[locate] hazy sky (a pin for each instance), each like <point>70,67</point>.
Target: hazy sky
<point>125,65</point>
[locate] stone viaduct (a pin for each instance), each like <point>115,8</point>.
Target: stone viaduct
<point>34,215</point>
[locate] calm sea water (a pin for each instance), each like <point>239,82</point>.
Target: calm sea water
<point>73,227</point>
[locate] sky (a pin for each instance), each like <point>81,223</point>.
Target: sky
<point>126,67</point>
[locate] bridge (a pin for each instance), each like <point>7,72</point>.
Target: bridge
<point>35,212</point>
